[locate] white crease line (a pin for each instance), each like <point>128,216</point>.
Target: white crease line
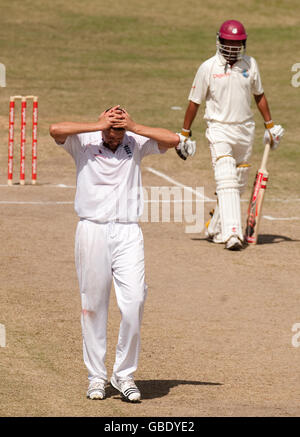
<point>174,201</point>
<point>40,202</point>
<point>178,184</point>
<point>7,202</point>
<point>269,217</point>
<point>62,186</point>
<point>162,175</point>
<point>15,202</point>
<point>205,198</point>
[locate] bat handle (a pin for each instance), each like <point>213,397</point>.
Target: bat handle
<point>265,157</point>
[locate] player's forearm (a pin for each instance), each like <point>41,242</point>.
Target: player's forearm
<point>162,136</point>
<point>67,128</point>
<point>263,107</point>
<point>190,115</point>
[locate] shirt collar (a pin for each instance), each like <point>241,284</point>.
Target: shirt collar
<point>124,143</point>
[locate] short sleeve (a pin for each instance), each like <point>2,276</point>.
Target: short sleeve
<point>71,145</point>
<point>146,146</point>
<point>256,86</point>
<point>200,86</point>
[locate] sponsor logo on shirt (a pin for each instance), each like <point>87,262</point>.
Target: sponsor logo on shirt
<point>245,73</point>
<point>220,75</point>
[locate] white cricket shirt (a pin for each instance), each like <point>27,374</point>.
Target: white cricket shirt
<point>109,185</point>
<point>227,90</point>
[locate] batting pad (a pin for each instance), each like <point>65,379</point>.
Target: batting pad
<point>226,177</point>
<point>242,175</point>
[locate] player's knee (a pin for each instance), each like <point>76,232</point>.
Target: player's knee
<point>132,312</point>
<point>226,173</point>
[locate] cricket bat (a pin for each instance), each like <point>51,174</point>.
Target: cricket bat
<point>256,200</point>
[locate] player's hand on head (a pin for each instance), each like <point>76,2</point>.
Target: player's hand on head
<point>104,120</point>
<point>122,119</point>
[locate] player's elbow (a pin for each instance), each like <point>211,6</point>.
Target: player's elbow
<point>56,132</point>
<point>53,130</point>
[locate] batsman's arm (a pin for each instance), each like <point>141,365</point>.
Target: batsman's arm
<point>273,133</point>
<point>263,107</point>
<point>190,114</point>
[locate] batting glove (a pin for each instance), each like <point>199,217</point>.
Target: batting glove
<point>273,134</point>
<point>186,146</point>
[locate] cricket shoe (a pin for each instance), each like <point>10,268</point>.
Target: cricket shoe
<point>96,390</point>
<point>234,243</point>
<point>214,238</point>
<point>213,229</point>
<point>127,388</point>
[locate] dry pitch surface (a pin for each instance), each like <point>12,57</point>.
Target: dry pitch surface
<point>217,328</point>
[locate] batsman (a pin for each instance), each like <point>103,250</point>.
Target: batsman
<point>226,83</point>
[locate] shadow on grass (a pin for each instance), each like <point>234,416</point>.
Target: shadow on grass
<point>158,388</point>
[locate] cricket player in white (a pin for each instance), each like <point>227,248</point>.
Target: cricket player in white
<point>226,82</point>
<point>109,242</point>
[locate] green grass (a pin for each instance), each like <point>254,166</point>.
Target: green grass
<point>81,57</point>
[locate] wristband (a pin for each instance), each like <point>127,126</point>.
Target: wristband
<point>268,124</point>
<point>186,132</point>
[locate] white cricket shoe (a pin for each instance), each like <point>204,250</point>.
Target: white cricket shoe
<point>234,243</point>
<point>96,390</point>
<point>215,238</point>
<point>127,388</point>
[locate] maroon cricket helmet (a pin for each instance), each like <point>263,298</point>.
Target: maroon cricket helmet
<point>233,30</point>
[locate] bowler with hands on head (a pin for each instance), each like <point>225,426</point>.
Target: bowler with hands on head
<point>109,242</point>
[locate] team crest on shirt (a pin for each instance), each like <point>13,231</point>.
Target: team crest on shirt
<point>128,150</point>
<point>245,73</point>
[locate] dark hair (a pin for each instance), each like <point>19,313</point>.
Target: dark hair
<point>120,109</point>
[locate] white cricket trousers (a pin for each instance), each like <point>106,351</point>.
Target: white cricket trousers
<point>234,140</point>
<point>106,252</point>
